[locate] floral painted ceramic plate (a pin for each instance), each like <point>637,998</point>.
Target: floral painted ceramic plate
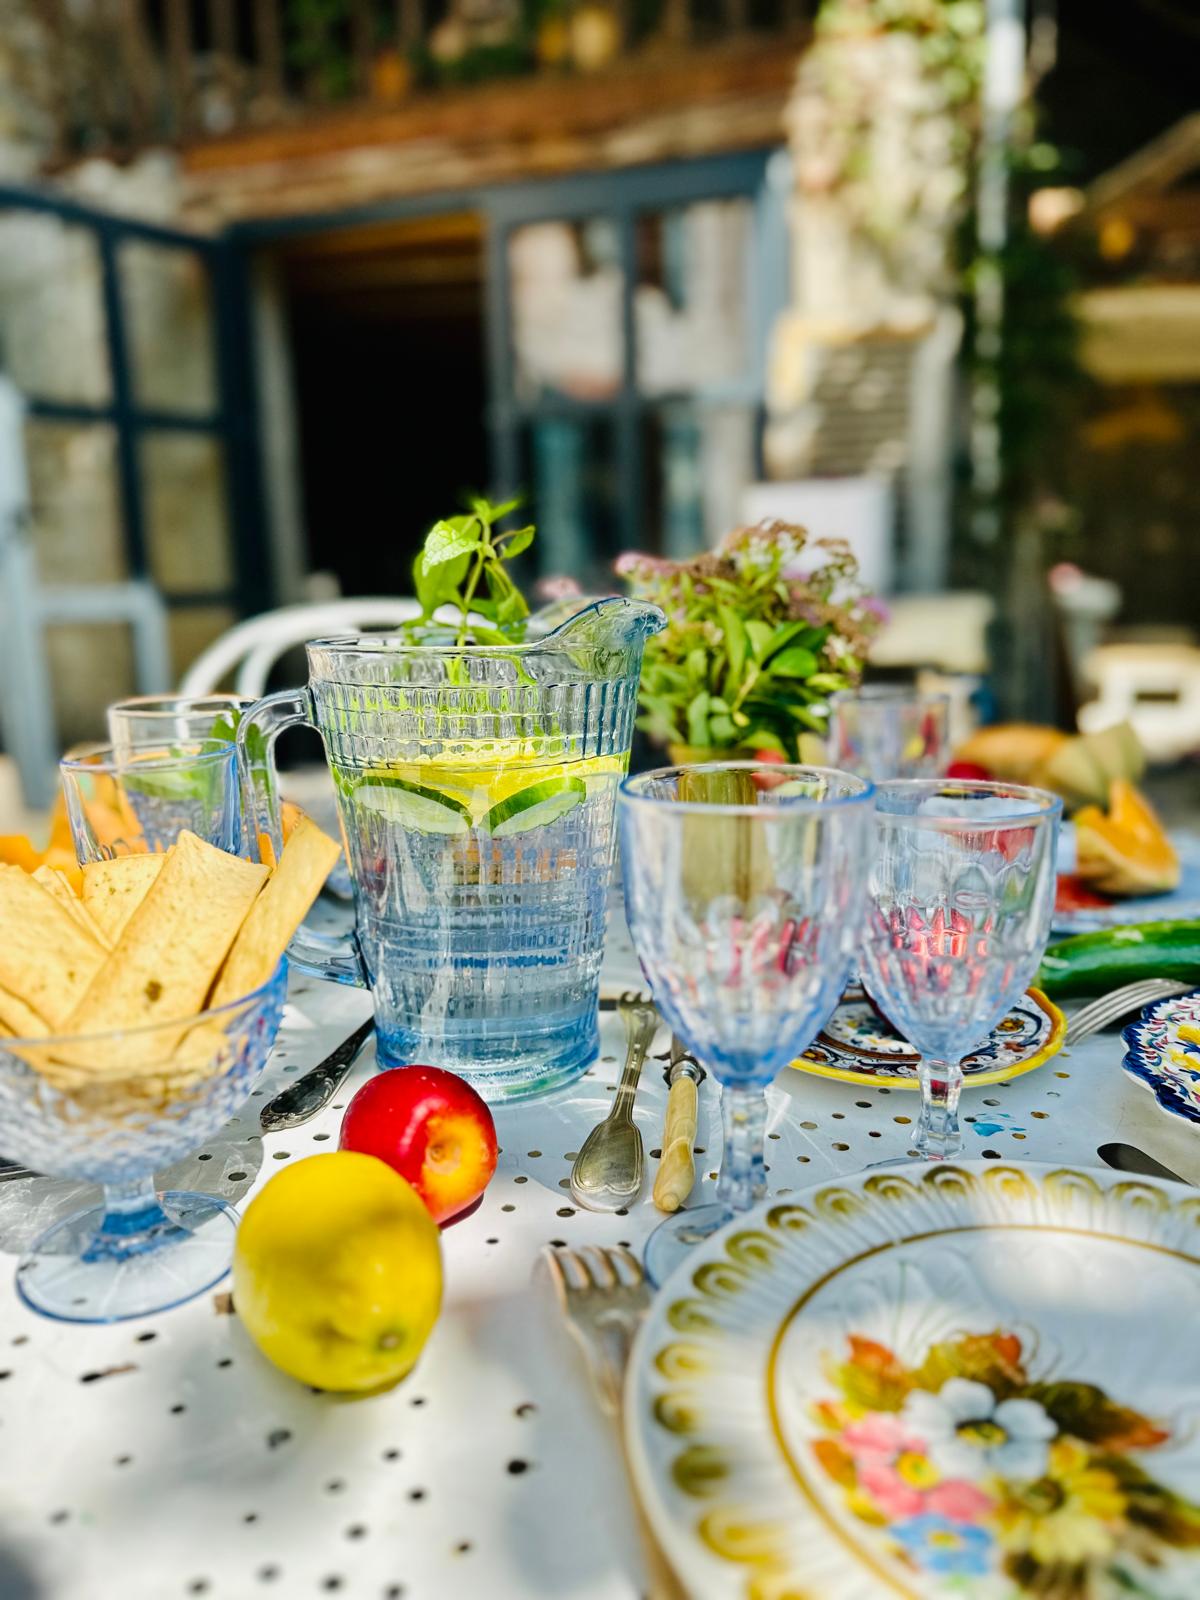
<point>965,1380</point>
<point>1164,1054</point>
<point>857,1046</point>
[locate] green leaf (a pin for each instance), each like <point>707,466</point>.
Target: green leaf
<point>517,541</point>
<point>764,739</point>
<point>511,608</point>
<point>796,662</point>
<point>760,635</point>
<point>736,646</point>
<point>446,541</point>
<point>697,719</point>
<point>697,666</point>
<point>722,730</point>
<point>1086,1412</point>
<point>794,633</point>
<point>487,512</point>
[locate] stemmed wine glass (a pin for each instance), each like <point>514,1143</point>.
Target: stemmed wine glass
<point>744,892</point>
<point>961,896</point>
<point>889,731</point>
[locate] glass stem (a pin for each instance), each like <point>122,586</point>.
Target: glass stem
<point>743,1177</point>
<point>939,1137</point>
<point>134,1222</point>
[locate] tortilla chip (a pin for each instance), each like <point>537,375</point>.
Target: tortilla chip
<point>279,910</point>
<point>46,958</point>
<point>18,1020</point>
<point>57,884</point>
<point>163,965</point>
<point>113,890</point>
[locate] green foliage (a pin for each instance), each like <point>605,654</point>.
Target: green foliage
<point>752,650</point>
<point>462,564</point>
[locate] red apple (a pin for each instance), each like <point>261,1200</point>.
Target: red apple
<point>432,1128</point>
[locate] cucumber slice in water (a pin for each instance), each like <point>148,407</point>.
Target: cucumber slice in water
<point>534,807</point>
<point>413,806</point>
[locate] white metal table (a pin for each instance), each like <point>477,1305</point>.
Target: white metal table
<point>165,1457</point>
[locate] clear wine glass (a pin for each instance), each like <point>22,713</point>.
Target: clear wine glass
<point>744,889</point>
<point>889,731</point>
<point>961,896</point>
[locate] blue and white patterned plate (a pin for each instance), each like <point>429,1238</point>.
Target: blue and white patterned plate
<point>1178,906</point>
<point>1164,1054</point>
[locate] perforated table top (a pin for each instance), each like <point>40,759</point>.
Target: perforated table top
<point>165,1457</point>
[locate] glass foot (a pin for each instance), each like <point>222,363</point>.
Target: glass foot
<point>673,1239</point>
<point>76,1274</point>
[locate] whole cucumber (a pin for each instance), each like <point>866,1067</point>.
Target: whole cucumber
<point>1094,963</point>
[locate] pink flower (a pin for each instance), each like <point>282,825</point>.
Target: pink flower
<point>895,1498</point>
<point>557,589</point>
<point>893,1466</point>
<point>958,1500</point>
<point>881,1432</point>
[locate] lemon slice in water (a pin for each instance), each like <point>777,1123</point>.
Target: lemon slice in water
<point>413,806</point>
<point>535,806</point>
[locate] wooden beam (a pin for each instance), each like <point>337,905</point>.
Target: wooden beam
<point>224,29</point>
<point>141,69</point>
<point>362,42</point>
<point>59,80</point>
<point>551,111</point>
<point>268,39</point>
<point>179,64</point>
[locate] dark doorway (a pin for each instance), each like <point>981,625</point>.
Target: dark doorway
<point>388,351</point>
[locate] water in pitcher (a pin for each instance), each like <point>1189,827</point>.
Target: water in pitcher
<point>482,873</point>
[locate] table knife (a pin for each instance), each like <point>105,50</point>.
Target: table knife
<point>317,1087</point>
<point>677,1166</point>
<point>1128,1158</point>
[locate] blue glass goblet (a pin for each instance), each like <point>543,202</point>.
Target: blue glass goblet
<point>744,892</point>
<point>961,897</point>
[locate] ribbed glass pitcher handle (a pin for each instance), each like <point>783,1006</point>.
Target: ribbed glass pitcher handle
<point>332,956</point>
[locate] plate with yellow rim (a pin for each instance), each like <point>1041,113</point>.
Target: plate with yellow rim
<point>857,1046</point>
<point>921,1382</point>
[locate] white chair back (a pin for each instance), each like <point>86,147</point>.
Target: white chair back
<point>251,648</point>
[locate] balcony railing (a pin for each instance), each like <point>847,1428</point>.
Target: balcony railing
<point>140,72</point>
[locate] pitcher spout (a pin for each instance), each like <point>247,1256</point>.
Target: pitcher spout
<point>616,626</point>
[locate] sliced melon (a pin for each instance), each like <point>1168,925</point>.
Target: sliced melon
<point>1012,751</point>
<point>1126,852</point>
<point>1118,752</point>
<point>1073,772</point>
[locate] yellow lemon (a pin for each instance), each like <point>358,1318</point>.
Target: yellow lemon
<point>337,1272</point>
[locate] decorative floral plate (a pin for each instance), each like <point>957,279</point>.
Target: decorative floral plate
<point>857,1046</point>
<point>1176,906</point>
<point>965,1380</point>
<point>1164,1054</point>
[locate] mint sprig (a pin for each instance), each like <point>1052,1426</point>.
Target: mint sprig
<point>462,564</point>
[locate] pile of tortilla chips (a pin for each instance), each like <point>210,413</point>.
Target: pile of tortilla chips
<point>114,975</point>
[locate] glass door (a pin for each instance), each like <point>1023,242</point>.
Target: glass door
<point>628,322</point>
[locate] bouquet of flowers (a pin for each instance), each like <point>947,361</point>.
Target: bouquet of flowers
<point>760,632</point>
<point>988,1482</point>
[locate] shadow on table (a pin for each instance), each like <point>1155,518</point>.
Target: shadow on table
<point>18,1581</point>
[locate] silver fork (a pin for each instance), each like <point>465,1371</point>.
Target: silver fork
<point>607,1173</point>
<point>1119,1002</point>
<point>604,1296</point>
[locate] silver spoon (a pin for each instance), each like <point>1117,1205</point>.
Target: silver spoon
<point>608,1169</point>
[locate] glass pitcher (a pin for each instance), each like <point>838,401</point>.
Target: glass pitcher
<point>476,788</point>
